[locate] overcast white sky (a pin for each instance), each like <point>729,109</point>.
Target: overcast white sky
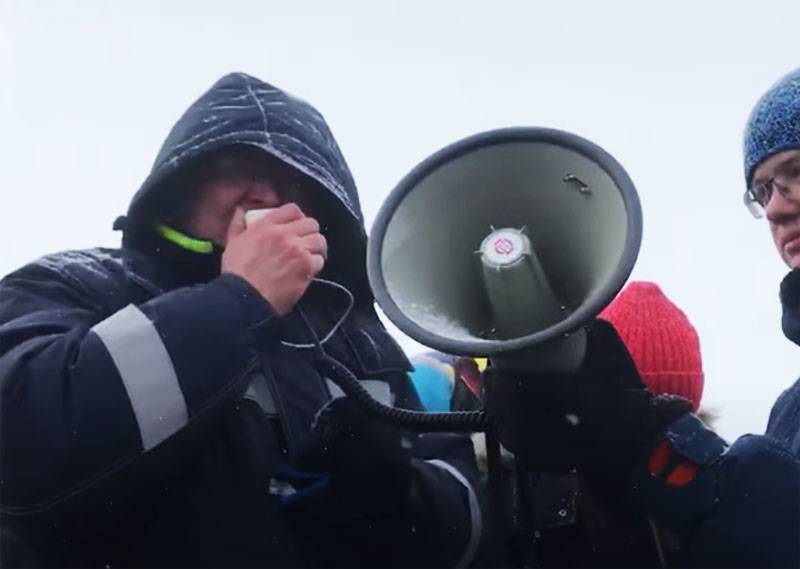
<point>90,88</point>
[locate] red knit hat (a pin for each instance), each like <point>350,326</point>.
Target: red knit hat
<point>661,340</point>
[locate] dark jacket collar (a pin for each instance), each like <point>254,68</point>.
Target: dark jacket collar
<point>790,300</point>
<point>167,265</point>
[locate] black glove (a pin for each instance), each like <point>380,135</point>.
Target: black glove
<point>598,418</point>
<point>369,461</point>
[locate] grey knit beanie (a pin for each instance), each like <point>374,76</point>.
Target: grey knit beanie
<point>774,123</point>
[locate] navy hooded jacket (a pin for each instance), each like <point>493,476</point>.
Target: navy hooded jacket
<point>152,411</point>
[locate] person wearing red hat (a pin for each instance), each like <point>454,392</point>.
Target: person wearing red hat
<point>659,337</point>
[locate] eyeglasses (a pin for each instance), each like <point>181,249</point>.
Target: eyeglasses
<point>786,181</point>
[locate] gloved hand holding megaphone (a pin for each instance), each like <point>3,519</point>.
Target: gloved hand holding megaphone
<point>599,418</point>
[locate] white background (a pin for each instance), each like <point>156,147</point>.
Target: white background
<point>90,89</point>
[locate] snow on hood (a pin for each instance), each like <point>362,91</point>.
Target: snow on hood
<point>240,109</point>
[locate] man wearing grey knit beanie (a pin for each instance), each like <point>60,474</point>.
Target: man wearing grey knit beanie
<point>734,505</point>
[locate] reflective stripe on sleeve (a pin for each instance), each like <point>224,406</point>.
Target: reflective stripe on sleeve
<point>147,373</point>
<point>474,512</point>
<point>379,390</point>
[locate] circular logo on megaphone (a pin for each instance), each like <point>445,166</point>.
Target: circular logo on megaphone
<point>504,247</point>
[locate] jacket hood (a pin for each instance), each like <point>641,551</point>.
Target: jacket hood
<point>242,110</point>
<point>790,302</point>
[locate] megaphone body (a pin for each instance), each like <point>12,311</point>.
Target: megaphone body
<point>504,244</point>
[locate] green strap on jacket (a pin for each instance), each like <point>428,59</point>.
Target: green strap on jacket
<point>190,243</point>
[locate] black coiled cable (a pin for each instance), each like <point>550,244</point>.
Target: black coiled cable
<point>466,421</point>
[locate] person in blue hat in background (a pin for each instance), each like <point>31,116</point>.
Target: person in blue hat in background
<point>446,383</point>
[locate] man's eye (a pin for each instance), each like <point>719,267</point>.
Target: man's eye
<point>793,171</point>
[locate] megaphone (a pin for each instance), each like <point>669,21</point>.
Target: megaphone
<point>504,244</point>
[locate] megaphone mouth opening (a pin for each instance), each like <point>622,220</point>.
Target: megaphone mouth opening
<point>571,197</point>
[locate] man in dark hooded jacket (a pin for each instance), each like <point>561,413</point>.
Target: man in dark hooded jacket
<point>732,505</point>
<point>164,404</point>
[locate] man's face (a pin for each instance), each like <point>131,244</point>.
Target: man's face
<point>783,209</point>
<point>246,178</point>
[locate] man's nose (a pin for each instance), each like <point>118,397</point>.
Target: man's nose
<point>780,207</point>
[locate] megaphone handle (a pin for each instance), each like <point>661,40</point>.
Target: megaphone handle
<point>499,516</point>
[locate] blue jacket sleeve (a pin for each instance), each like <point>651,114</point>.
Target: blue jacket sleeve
<point>90,383</point>
<point>739,506</point>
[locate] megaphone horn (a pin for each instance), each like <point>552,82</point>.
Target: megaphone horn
<point>504,244</point>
